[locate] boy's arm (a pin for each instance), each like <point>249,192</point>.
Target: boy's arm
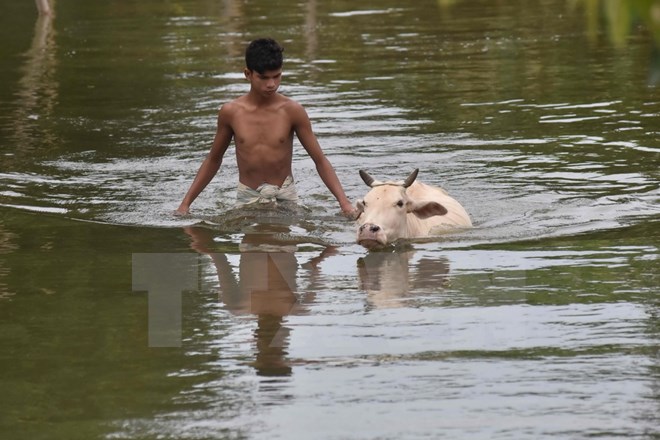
<point>211,164</point>
<point>303,128</point>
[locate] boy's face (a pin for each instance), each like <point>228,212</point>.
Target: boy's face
<point>265,83</point>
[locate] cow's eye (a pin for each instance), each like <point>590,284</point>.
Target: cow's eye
<point>399,203</point>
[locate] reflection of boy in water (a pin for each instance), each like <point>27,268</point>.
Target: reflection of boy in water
<point>266,287</point>
<point>262,123</point>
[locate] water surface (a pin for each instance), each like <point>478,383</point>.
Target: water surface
<point>122,321</point>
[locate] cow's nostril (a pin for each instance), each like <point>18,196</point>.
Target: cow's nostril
<point>374,228</point>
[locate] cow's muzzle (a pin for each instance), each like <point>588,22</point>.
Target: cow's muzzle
<point>371,235</point>
<point>370,228</point>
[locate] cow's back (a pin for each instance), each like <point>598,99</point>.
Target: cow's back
<point>456,217</point>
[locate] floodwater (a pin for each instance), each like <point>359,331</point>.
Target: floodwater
<point>120,321</point>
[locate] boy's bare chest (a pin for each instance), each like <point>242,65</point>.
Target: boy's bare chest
<point>270,128</point>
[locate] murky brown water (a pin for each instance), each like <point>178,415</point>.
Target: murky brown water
<point>118,320</point>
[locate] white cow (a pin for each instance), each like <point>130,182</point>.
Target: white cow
<point>405,209</point>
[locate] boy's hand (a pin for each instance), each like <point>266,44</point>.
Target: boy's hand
<point>349,211</point>
<point>182,210</point>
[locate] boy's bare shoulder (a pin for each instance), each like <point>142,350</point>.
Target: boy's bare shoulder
<point>242,103</point>
<point>285,100</point>
<point>233,105</point>
<point>231,110</point>
<point>292,106</point>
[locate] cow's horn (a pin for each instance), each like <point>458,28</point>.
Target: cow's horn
<point>367,178</point>
<point>410,179</point>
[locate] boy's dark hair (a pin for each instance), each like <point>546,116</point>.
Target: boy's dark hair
<point>264,54</point>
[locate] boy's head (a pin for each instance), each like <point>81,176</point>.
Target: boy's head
<point>263,54</point>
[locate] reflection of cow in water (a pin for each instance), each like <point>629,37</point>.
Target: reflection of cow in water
<point>405,209</point>
<point>389,277</point>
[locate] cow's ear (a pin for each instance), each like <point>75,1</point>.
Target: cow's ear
<point>426,209</point>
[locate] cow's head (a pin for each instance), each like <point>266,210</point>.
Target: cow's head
<point>383,212</point>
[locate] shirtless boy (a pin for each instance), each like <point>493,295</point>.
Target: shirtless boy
<point>262,124</point>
